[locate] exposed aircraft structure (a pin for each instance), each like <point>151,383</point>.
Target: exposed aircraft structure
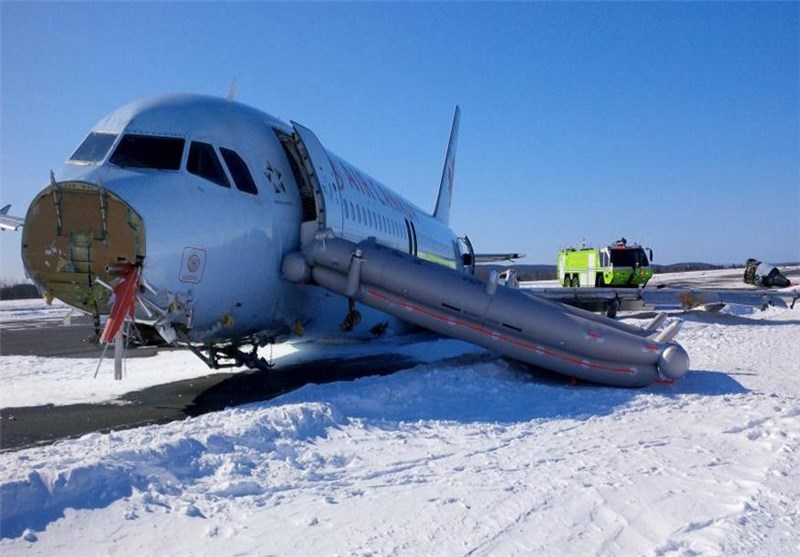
<point>9,222</point>
<point>235,227</point>
<point>764,274</point>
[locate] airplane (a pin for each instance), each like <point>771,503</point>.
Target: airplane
<point>226,229</point>
<point>9,222</point>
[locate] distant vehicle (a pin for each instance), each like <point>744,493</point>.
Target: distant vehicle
<point>618,264</point>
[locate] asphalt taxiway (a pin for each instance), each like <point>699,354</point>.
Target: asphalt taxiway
<point>36,425</point>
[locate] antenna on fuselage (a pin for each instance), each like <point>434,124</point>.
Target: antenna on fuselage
<point>232,90</point>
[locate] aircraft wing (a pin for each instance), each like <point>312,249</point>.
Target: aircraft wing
<point>693,297</point>
<point>603,299</point>
<point>9,222</point>
<point>492,257</point>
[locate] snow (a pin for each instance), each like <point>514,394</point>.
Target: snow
<point>29,380</point>
<point>466,454</point>
<point>13,311</point>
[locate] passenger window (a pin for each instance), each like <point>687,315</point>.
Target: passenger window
<point>352,211</point>
<point>146,151</point>
<point>203,162</point>
<point>238,169</point>
<point>346,212</point>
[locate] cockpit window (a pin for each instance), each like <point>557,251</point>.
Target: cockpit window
<point>94,148</point>
<point>239,172</point>
<point>203,162</point>
<point>147,151</point>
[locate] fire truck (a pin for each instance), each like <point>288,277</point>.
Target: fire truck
<point>619,265</point>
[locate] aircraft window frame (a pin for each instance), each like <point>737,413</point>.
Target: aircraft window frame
<point>346,213</point>
<point>94,148</point>
<point>238,171</point>
<point>149,152</point>
<point>212,169</point>
<point>352,212</point>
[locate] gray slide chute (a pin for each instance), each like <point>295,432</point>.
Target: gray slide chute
<point>547,334</point>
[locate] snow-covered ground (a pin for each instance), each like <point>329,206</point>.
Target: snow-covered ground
<point>14,311</point>
<point>467,454</point>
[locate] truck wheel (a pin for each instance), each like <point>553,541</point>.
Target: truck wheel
<point>567,281</point>
<point>600,281</point>
<point>576,282</point>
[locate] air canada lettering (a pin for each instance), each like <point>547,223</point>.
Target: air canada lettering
<point>368,187</point>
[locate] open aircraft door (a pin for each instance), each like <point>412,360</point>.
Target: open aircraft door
<point>317,167</point>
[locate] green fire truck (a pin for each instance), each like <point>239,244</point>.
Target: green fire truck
<point>618,265</point>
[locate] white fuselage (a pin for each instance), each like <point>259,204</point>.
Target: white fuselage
<point>218,248</point>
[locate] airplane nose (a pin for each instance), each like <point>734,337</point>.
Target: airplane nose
<point>76,232</point>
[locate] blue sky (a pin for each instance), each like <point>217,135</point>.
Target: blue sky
<point>674,124</point>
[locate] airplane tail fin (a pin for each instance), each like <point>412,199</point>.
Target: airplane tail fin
<point>442,210</point>
<point>4,210</point>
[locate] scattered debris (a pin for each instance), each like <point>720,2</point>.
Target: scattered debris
<point>764,274</point>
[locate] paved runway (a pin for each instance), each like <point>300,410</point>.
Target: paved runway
<point>51,338</point>
<point>35,425</point>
